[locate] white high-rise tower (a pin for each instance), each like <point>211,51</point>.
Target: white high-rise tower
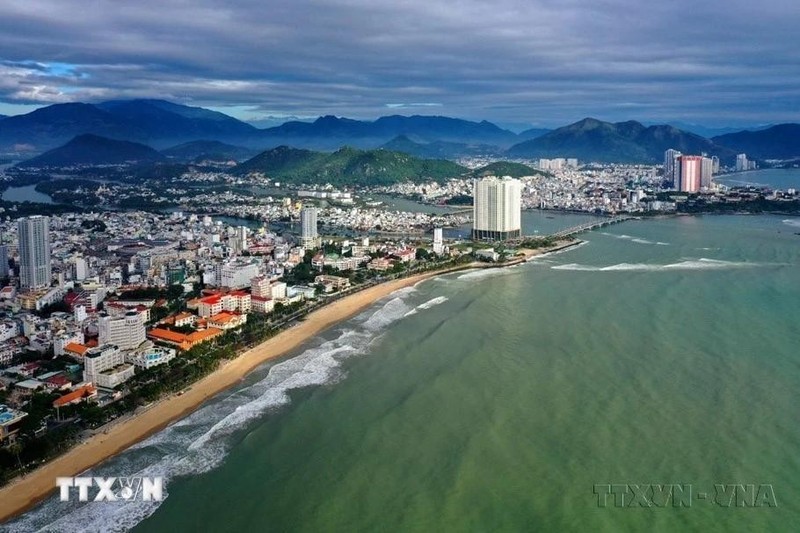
<point>34,252</point>
<point>497,208</point>
<point>438,242</point>
<point>308,227</point>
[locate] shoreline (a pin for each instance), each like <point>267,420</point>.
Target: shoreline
<point>27,491</point>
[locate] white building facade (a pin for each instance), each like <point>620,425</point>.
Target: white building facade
<point>497,208</point>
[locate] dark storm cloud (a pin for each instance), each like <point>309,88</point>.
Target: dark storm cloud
<point>541,61</point>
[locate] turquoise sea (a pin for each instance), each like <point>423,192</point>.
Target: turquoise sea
<point>660,351</point>
<point>774,178</point>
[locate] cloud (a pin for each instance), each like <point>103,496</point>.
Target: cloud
<point>417,104</point>
<point>543,61</point>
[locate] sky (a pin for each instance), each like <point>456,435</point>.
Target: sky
<point>528,62</point>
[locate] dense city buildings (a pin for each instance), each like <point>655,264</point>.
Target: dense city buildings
<point>497,208</point>
<point>689,173</point>
<point>558,163</point>
<point>34,252</point>
<point>741,163</point>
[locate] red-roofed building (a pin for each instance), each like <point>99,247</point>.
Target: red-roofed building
<point>181,340</point>
<point>81,394</point>
<point>210,305</point>
<point>58,382</point>
<point>226,320</point>
<point>215,304</point>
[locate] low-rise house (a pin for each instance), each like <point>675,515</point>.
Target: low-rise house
<point>332,283</point>
<point>10,422</point>
<point>262,305</point>
<point>149,355</point>
<point>183,341</point>
<point>226,320</point>
<point>76,351</point>
<point>83,393</point>
<point>304,291</point>
<point>29,386</point>
<point>380,264</point>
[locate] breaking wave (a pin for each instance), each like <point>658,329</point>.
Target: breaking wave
<point>201,441</point>
<point>486,273</point>
<point>427,305</point>
<point>637,240</point>
<point>690,264</point>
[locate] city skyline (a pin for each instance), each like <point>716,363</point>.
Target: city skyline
<point>541,63</point>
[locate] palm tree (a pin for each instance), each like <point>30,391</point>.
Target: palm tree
<point>15,448</point>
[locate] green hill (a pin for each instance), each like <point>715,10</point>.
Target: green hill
<point>621,142</point>
<point>348,167</point>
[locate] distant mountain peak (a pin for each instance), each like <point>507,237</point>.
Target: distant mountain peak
<point>93,150</point>
<point>622,142</point>
<point>781,141</point>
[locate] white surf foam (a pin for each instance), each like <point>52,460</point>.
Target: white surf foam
<point>637,240</point>
<point>485,273</point>
<point>433,302</point>
<point>201,441</point>
<point>427,305</point>
<point>690,264</point>
<point>795,223</point>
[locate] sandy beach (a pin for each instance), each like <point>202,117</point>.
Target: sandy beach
<point>24,492</point>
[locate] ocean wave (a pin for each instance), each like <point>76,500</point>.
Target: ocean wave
<point>795,223</point>
<point>427,305</point>
<point>200,442</point>
<point>432,302</point>
<point>637,240</point>
<point>480,273</point>
<point>690,264</point>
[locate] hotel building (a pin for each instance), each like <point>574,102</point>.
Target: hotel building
<point>497,208</point>
<point>34,252</point>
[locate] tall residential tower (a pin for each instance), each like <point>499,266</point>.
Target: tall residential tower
<point>308,227</point>
<point>34,252</point>
<point>497,208</point>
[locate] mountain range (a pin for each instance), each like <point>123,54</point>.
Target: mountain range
<point>163,125</point>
